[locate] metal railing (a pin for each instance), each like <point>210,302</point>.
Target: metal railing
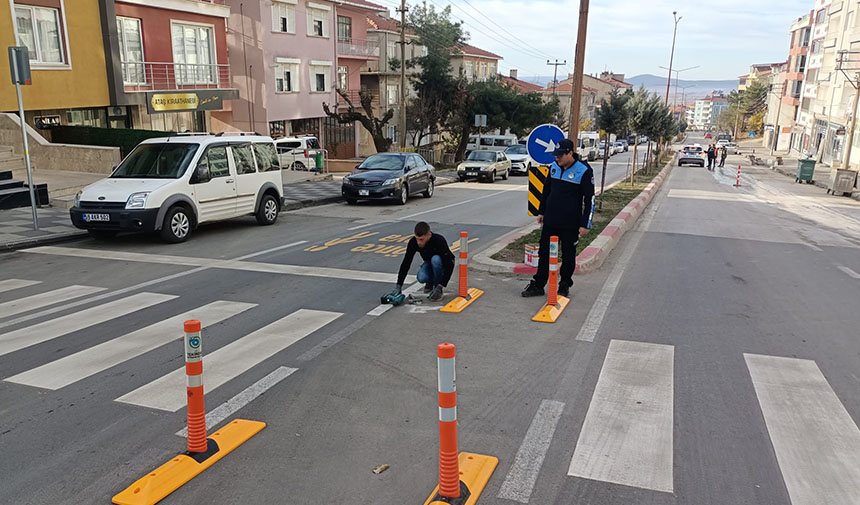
<point>355,98</point>
<point>149,76</point>
<point>358,47</point>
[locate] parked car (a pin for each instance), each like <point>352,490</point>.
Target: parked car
<point>731,147</point>
<point>626,144</point>
<point>631,139</point>
<point>486,165</point>
<point>602,148</point>
<point>298,153</point>
<point>389,176</point>
<point>692,155</point>
<point>174,184</point>
<point>620,146</point>
<point>708,136</point>
<point>521,162</point>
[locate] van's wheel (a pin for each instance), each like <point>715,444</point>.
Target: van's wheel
<point>176,226</point>
<point>404,195</point>
<point>298,165</point>
<point>267,212</point>
<point>102,234</point>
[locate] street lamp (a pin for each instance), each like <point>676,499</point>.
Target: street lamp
<point>672,56</point>
<point>675,100</point>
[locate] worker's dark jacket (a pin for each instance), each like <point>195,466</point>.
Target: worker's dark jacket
<point>435,246</point>
<point>568,197</point>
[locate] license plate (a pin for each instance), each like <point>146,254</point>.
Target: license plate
<point>471,174</point>
<point>96,217</point>
<point>363,192</point>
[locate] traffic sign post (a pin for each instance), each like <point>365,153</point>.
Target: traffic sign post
<point>19,65</point>
<point>480,121</point>
<point>542,142</point>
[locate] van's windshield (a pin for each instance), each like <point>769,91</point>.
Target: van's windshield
<point>156,161</point>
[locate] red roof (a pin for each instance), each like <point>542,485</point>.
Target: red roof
<point>567,87</point>
<point>470,50</point>
<point>616,82</point>
<point>377,22</point>
<point>524,87</point>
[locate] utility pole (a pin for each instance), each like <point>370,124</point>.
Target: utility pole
<point>856,83</point>
<point>402,75</point>
<point>578,65</point>
<point>781,90</point>
<point>555,73</point>
<point>672,56</point>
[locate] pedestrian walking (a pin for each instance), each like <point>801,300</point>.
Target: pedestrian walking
<point>723,153</point>
<point>566,209</point>
<point>712,154</point>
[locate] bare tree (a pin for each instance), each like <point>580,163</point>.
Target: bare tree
<point>374,125</point>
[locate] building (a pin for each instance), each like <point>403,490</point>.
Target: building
<point>521,86</point>
<point>704,113</point>
<point>473,63</point>
<point>67,62</point>
<point>168,68</point>
<point>594,91</point>
<point>678,112</point>
<point>564,92</point>
<point>758,72</point>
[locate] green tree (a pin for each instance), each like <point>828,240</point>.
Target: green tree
<point>756,122</point>
<point>612,117</point>
<point>639,116</point>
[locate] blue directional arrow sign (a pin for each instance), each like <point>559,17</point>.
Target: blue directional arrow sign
<point>542,142</point>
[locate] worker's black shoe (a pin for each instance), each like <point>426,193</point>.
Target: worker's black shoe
<point>428,288</point>
<point>532,290</point>
<point>564,290</point>
<point>436,294</point>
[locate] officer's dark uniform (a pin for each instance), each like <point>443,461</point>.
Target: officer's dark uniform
<point>566,205</point>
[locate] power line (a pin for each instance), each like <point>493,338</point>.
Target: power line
<point>538,51</point>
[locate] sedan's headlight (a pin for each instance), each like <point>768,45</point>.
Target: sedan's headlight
<point>461,167</point>
<point>484,169</point>
<point>77,202</point>
<point>136,200</point>
<point>391,182</point>
<point>347,181</point>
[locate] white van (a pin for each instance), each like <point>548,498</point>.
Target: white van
<point>298,153</point>
<point>491,142</point>
<point>174,184</point>
<point>588,145</point>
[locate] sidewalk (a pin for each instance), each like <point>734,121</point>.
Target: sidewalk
<point>301,189</point>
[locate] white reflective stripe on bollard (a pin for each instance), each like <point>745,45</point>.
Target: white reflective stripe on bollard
<point>553,266</point>
<point>446,415</point>
<point>195,381</point>
<point>447,375</point>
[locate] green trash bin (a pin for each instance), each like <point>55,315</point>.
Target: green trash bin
<point>805,170</point>
<point>319,161</point>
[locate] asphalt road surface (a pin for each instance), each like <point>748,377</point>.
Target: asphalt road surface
<point>712,360</point>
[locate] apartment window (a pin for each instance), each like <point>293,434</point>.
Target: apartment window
<point>492,70</point>
<point>130,50</point>
<point>804,37</point>
<point>342,77</point>
<point>801,63</point>
<point>819,18</point>
<point>283,17</point>
<point>320,76</point>
<point>469,70</point>
<point>318,20</point>
<point>816,46</point>
<point>344,29</point>
<point>391,133</point>
<point>795,89</point>
<point>286,75</point>
<point>392,50</point>
<point>194,54</point>
<point>482,73</point>
<point>39,30</point>
<point>393,94</point>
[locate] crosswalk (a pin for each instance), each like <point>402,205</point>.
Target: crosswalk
<point>167,392</point>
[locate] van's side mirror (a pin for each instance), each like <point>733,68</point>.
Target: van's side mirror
<point>202,174</point>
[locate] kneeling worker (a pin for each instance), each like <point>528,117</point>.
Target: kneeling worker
<point>438,261</point>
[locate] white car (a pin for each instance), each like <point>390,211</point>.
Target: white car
<point>298,153</point>
<point>173,184</point>
<point>692,154</point>
<point>619,146</point>
<point>602,148</point>
<point>521,162</point>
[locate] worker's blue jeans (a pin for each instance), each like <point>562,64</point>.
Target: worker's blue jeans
<point>432,272</point>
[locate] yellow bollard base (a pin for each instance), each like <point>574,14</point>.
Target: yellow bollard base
<point>459,304</point>
<point>550,313</point>
<point>170,476</point>
<point>475,472</point>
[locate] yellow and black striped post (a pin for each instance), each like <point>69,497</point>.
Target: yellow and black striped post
<point>537,178</point>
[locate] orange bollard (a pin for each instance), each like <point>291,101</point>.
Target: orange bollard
<point>194,375</point>
<point>464,259</point>
<point>739,176</point>
<point>449,467</point>
<point>552,293</point>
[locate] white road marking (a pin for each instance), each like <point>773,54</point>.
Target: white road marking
<point>513,188</point>
<point>250,393</point>
<point>168,392</point>
<point>847,271</point>
<point>42,332</point>
<point>626,437</point>
<point>816,442</point>
<point>247,266</point>
<point>72,368</point>
<point>382,308</point>
<point>712,195</point>
<point>480,186</point>
<point>273,249</point>
<point>520,482</point>
<point>34,302</point>
<point>368,225</point>
<point>10,284</point>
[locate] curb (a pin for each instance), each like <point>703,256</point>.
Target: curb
<point>40,241</point>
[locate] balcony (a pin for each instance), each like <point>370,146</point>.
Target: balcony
<point>354,97</point>
<point>364,49</point>
<point>152,76</point>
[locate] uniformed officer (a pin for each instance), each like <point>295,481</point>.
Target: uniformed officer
<point>566,209</point>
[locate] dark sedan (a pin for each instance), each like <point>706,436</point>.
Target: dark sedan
<point>389,176</point>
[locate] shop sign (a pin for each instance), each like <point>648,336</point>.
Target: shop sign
<point>184,101</point>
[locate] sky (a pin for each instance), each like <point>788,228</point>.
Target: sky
<point>631,37</point>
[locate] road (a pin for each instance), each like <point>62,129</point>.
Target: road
<point>712,359</point>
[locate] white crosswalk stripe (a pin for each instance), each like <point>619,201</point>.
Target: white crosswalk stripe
<point>168,392</point>
<point>34,302</point>
<point>10,284</point>
<point>51,329</point>
<point>65,371</point>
